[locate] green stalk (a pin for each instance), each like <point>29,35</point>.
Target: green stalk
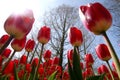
<point>8,60</point>
<point>112,53</point>
<point>6,44</point>
<point>27,56</point>
<point>34,53</point>
<point>40,57</point>
<point>110,70</point>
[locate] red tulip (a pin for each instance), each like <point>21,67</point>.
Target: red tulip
<point>41,71</point>
<point>47,55</point>
<point>115,75</point>
<point>103,69</point>
<point>23,59</point>
<point>35,61</point>
<point>59,70</point>
<point>29,45</point>
<point>65,76</point>
<point>6,53</point>
<point>75,36</point>
<point>89,72</point>
<point>11,77</point>
<point>28,68</point>
<point>103,52</point>
<point>19,25</point>
<point>89,59</point>
<point>95,17</point>
<point>70,55</point>
<point>21,73</point>
<point>17,44</point>
<point>1,60</point>
<point>9,68</point>
<point>81,65</point>
<point>16,62</point>
<point>55,61</point>
<point>3,40</point>
<point>44,35</point>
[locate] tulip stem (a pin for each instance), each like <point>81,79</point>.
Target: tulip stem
<point>6,44</point>
<point>7,62</point>
<point>34,53</point>
<point>27,56</point>
<point>112,53</point>
<point>110,70</point>
<point>78,52</point>
<point>40,57</point>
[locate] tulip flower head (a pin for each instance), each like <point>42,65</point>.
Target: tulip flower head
<point>18,44</point>
<point>89,59</point>
<point>19,25</point>
<point>23,59</point>
<point>35,61</point>
<point>47,55</point>
<point>3,39</point>
<point>55,61</point>
<point>75,36</point>
<point>103,69</point>
<point>70,55</point>
<point>103,52</point>
<point>29,45</point>
<point>95,17</point>
<point>6,53</point>
<point>9,68</point>
<point>44,35</point>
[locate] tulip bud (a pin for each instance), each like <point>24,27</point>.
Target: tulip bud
<point>55,61</point>
<point>29,45</point>
<point>65,75</point>
<point>115,75</point>
<point>18,45</point>
<point>75,36</point>
<point>6,53</point>
<point>9,68</point>
<point>35,61</point>
<point>44,35</point>
<point>103,69</point>
<point>103,52</point>
<point>81,65</point>
<point>47,55</point>
<point>1,60</point>
<point>70,55</point>
<point>3,40</point>
<point>19,25</point>
<point>41,71</point>
<point>23,59</point>
<point>89,59</point>
<point>11,77</point>
<point>28,68</point>
<point>16,62</point>
<point>95,17</point>
<point>21,73</point>
<point>89,72</point>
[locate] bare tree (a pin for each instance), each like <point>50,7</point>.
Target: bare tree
<point>60,19</point>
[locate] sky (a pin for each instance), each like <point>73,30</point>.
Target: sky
<point>38,6</point>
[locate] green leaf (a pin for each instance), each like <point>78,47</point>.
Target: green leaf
<point>52,76</point>
<point>32,73</point>
<point>98,77</point>
<point>71,73</point>
<point>76,65</point>
<point>15,73</point>
<point>4,77</point>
